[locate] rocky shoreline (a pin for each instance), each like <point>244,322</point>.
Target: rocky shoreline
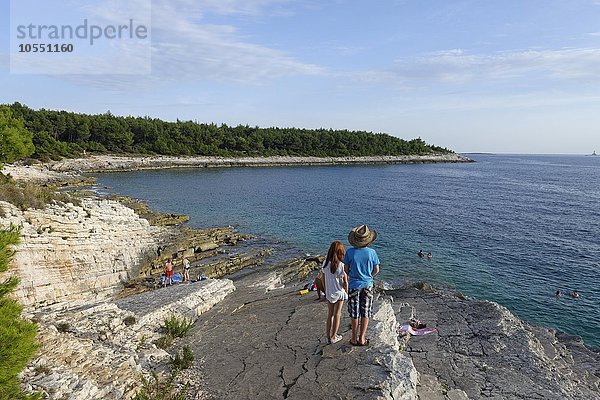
<point>55,170</point>
<point>88,274</point>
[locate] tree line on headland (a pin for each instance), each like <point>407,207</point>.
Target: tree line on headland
<point>57,134</point>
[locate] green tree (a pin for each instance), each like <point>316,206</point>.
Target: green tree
<point>59,134</point>
<point>15,139</point>
<point>17,336</point>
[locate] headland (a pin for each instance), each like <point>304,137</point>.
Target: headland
<point>106,163</point>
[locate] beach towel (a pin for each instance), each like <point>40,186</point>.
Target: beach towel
<point>311,286</point>
<point>177,278</point>
<point>416,332</point>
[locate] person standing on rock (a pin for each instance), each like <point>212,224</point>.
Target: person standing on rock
<point>168,272</point>
<point>336,289</point>
<point>361,263</point>
<point>186,269</point>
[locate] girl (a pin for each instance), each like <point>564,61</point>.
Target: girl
<point>186,270</point>
<point>336,289</point>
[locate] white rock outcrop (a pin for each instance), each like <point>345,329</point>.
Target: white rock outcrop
<point>72,255</point>
<point>402,379</point>
<point>100,352</point>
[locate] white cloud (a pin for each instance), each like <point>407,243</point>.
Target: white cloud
<point>476,102</point>
<point>247,7</point>
<point>186,47</point>
<point>457,67</point>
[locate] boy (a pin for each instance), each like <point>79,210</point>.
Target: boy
<point>361,264</point>
<point>168,272</point>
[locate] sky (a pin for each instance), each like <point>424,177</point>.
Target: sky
<point>471,75</point>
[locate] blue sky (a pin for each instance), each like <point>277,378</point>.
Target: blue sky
<point>472,75</point>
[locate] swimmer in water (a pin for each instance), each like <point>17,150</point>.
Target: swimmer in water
<point>574,294</point>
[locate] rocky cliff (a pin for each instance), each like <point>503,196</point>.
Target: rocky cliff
<point>267,341</point>
<point>72,255</point>
<point>482,351</point>
<point>101,351</point>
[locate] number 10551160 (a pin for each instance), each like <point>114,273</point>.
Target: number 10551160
<point>45,48</point>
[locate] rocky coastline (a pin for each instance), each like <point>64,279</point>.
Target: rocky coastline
<point>56,170</point>
<point>90,278</point>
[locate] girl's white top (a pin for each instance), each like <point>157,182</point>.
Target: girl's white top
<point>334,283</point>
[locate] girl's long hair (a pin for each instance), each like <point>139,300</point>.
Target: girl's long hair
<point>335,255</point>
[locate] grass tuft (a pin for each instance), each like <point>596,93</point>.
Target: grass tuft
<point>176,327</point>
<point>183,360</point>
<point>29,195</point>
<point>164,342</point>
<point>161,389</point>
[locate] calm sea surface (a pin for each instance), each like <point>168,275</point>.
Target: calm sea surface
<point>511,228</point>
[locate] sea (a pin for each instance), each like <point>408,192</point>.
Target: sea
<point>514,229</point>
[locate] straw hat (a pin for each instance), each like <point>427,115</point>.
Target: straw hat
<point>361,236</point>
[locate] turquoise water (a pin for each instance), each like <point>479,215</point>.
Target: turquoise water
<point>512,229</point>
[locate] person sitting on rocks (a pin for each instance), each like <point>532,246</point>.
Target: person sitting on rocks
<point>168,272</point>
<point>416,324</point>
<point>186,270</point>
<point>361,263</point>
<point>320,284</point>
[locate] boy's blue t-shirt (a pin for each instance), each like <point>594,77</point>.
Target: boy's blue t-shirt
<point>360,262</point>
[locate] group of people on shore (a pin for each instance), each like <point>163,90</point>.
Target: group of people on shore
<point>348,275</point>
<point>169,270</point>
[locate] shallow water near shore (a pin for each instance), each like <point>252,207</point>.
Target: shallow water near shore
<point>510,228</point>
